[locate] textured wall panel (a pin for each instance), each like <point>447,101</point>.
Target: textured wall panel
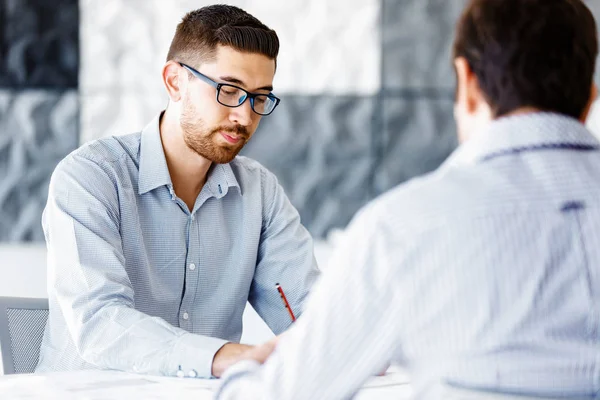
<point>417,42</point>
<point>320,149</point>
<point>419,134</point>
<point>39,43</point>
<point>331,46</point>
<point>125,42</point>
<point>417,39</point>
<point>37,129</point>
<point>117,113</point>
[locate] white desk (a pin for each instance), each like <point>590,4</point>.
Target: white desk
<point>109,385</point>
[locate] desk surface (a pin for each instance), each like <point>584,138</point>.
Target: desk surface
<point>112,385</point>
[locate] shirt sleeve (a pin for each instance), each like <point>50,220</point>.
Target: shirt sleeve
<point>285,257</point>
<point>88,278</point>
<point>349,330</point>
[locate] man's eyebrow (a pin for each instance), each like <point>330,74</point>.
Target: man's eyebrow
<point>238,82</point>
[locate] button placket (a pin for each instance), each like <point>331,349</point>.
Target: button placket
<point>191,279</point>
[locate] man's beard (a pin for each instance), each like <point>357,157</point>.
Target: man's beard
<point>204,141</point>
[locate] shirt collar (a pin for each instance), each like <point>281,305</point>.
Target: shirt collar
<point>507,135</point>
<point>220,179</point>
<point>155,173</point>
<point>153,164</point>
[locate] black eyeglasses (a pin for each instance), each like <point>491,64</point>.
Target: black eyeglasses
<point>234,96</point>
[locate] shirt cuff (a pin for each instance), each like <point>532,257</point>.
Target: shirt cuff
<point>193,355</point>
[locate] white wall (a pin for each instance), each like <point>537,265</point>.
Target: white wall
<point>23,270</point>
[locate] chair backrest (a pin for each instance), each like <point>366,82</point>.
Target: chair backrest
<point>22,324</point>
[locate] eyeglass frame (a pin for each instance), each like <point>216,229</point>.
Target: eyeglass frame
<point>219,85</point>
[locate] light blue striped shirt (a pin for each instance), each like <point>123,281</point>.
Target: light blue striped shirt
<point>483,274</point>
<point>137,282</point>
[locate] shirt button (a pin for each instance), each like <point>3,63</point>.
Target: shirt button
<point>186,316</point>
<point>192,266</point>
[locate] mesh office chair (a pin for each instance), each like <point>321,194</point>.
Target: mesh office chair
<point>22,324</point>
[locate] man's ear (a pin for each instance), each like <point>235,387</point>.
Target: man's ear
<point>468,93</point>
<point>174,79</point>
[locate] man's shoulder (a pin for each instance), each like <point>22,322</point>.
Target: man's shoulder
<point>100,158</point>
<point>110,149</point>
<point>432,197</point>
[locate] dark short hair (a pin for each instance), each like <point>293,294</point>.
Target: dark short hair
<point>536,53</point>
<point>201,31</point>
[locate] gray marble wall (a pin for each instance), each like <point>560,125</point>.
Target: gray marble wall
<point>366,87</point>
<point>39,106</point>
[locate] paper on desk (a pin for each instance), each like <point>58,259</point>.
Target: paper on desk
<point>117,385</point>
<point>102,385</point>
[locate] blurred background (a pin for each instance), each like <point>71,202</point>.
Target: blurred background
<point>366,85</point>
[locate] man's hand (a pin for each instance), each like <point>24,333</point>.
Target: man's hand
<point>233,353</point>
<point>228,355</point>
<point>262,352</point>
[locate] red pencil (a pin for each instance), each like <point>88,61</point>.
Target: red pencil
<point>285,302</point>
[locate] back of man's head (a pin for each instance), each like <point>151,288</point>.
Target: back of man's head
<point>201,31</point>
<point>530,53</point>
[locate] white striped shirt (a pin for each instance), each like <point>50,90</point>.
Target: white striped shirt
<point>139,283</point>
<point>483,274</point>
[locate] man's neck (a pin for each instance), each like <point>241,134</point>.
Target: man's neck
<point>187,168</point>
<point>486,119</point>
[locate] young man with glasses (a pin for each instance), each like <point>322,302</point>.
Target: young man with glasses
<point>157,239</point>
